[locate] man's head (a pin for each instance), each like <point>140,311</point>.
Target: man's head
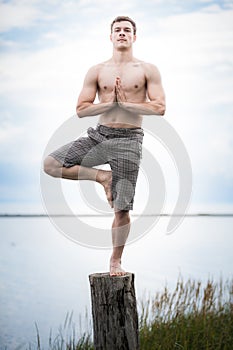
<point>124,18</point>
<point>123,32</point>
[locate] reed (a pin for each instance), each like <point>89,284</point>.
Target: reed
<point>68,337</point>
<point>194,316</point>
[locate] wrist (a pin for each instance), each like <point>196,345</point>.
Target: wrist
<point>123,104</point>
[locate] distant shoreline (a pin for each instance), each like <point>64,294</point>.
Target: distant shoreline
<point>5,215</point>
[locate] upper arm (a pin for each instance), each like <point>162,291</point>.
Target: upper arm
<point>155,90</point>
<point>89,89</point>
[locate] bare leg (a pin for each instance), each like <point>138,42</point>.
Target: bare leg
<point>77,172</point>
<point>120,232</point>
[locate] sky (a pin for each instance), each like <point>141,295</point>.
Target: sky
<point>46,48</point>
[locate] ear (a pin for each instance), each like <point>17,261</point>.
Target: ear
<point>111,36</point>
<point>134,38</point>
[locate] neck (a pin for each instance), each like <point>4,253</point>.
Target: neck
<point>122,56</point>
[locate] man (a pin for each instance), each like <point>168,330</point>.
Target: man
<point>127,89</point>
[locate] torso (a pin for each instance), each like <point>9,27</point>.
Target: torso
<point>133,81</point>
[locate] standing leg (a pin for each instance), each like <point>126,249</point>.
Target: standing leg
<point>120,232</point>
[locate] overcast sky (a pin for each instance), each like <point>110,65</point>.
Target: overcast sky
<point>47,47</point>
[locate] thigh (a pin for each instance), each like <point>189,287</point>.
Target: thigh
<point>83,151</point>
<point>125,168</point>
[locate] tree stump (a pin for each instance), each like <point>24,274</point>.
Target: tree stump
<point>114,312</point>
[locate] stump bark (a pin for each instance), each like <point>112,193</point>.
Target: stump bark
<point>114,312</point>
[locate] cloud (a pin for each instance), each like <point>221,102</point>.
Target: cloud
<point>8,132</point>
<point>193,50</point>
<point>16,14</point>
<point>194,53</point>
<point>228,4</point>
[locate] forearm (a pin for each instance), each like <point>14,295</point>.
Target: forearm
<point>91,109</point>
<point>144,108</point>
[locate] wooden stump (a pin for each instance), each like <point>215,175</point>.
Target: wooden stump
<point>114,311</point>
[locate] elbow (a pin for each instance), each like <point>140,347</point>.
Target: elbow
<point>79,115</point>
<point>162,109</point>
<point>159,110</point>
<point>82,109</point>
<point>79,111</point>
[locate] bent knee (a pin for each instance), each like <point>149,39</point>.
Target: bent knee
<point>52,167</point>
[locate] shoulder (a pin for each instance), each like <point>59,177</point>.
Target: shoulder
<point>96,68</point>
<point>151,71</point>
<point>93,72</point>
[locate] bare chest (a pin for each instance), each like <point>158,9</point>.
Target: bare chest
<point>132,78</point>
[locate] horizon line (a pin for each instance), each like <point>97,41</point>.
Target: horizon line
<point>42,215</point>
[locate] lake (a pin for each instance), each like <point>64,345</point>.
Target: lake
<point>44,275</point>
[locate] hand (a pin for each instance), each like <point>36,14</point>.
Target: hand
<point>120,94</point>
<point>111,97</point>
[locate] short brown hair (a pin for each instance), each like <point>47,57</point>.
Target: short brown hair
<point>124,18</point>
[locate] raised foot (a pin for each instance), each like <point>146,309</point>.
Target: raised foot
<point>104,177</point>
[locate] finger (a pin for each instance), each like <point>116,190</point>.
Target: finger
<point>118,81</point>
<point>118,91</point>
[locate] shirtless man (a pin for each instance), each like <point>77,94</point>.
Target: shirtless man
<point>127,88</point>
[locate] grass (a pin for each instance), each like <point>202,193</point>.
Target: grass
<point>192,317</point>
<point>66,337</point>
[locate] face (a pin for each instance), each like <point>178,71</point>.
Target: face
<point>122,35</point>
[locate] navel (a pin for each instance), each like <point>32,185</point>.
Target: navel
<point>136,86</point>
<point>105,87</point>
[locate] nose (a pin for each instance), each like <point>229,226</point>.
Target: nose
<point>121,33</point>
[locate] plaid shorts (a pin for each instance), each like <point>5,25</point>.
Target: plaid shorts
<point>121,148</point>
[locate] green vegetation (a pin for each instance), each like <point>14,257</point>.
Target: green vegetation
<point>66,338</point>
<point>192,317</point>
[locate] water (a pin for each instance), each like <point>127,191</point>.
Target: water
<point>43,275</point>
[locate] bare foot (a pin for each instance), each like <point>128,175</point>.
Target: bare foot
<point>105,179</point>
<point>116,269</point>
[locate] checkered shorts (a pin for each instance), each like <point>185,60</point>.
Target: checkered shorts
<point>121,148</point>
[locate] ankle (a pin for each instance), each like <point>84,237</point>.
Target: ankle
<point>103,176</point>
<point>115,260</point>
<point>98,176</point>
